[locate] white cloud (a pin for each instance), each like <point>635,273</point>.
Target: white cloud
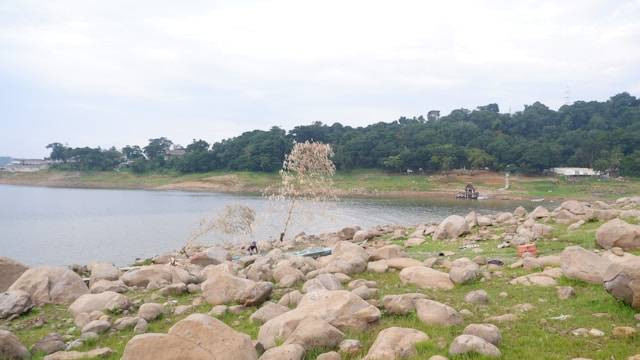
<point>258,63</point>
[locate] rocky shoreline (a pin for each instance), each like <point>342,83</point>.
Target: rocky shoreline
<point>303,307</point>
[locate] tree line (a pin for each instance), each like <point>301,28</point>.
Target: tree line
<point>601,135</point>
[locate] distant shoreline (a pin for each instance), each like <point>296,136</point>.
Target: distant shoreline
<point>357,184</point>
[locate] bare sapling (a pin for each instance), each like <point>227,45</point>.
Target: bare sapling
<point>235,220</point>
<point>306,176</point>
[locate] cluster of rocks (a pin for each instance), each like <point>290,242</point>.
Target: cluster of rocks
<point>322,298</point>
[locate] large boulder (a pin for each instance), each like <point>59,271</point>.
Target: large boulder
<point>284,352</point>
<point>489,332</point>
<point>426,278</point>
<point>211,256</point>
<point>622,280</point>
<point>108,285</point>
<point>267,312</point>
<point>401,304</point>
<point>322,282</point>
<point>103,271</point>
<point>434,313</point>
<point>402,262</point>
<point>14,303</point>
<point>578,263</point>
<point>395,343</point>
<point>387,252</point>
<point>157,276</point>
<point>540,212</point>
<point>314,332</point>
<point>105,301</point>
<point>98,353</point>
<point>197,337</point>
<point>226,288</point>
<point>618,233</point>
<point>50,284</point>
<point>451,228</point>
<point>463,270</point>
<point>11,348</point>
<point>10,271</point>
<point>347,258</point>
<point>339,308</point>
<point>464,344</point>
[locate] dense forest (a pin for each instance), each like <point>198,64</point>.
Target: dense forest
<point>601,135</point>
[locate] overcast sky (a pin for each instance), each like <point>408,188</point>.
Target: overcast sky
<point>104,73</point>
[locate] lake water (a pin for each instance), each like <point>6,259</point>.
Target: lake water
<point>56,226</point>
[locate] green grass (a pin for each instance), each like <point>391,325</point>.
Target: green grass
<point>353,182</point>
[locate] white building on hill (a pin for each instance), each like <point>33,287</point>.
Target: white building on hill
<point>575,171</point>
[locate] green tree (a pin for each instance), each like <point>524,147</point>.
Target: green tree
<point>157,148</point>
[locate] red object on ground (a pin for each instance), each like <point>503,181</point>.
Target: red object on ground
<point>527,248</point>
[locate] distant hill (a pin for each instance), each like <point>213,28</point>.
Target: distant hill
<point>4,160</point>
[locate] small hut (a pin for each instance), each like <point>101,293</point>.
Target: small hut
<point>468,193</point>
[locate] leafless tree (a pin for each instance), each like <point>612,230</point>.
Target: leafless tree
<point>306,176</point>
<point>235,220</point>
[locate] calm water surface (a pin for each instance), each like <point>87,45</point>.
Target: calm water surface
<point>65,226</point>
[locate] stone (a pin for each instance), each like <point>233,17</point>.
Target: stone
<point>350,346</point>
<point>84,318</point>
<point>488,332</point>
<point>463,271</point>
<point>11,348</point>
<point>484,221</point>
<point>580,264</point>
<point>623,331</point>
<point>291,298</point>
<point>438,357</point>
<point>451,228</point>
<point>173,289</point>
<point>49,344</point>
<point>284,352</point>
<point>14,303</point>
<point>218,310</point>
<point>477,297</point>
<point>402,263</point>
<point>340,308</point>
<point>108,285</point>
<point>211,256</point>
<point>535,279</point>
<point>434,313</point>
<point>401,304</point>
<point>331,355</point>
<point>141,326</point>
<point>347,258</point>
<point>77,355</point>
<point>268,311</point>
<point>565,292</point>
<point>426,278</point>
<point>197,337</point>
<point>618,233</point>
<point>379,266</point>
<point>622,280</point>
<point>314,332</point>
<point>97,326</point>
<point>183,309</point>
<point>226,288</point>
<point>125,322</point>
<point>387,252</point>
<point>322,282</point>
<point>464,344</point>
<point>348,232</point>
<point>540,212</point>
<point>414,241</point>
<point>105,301</point>
<point>103,271</point>
<point>150,311</point>
<point>10,271</point>
<point>50,284</point>
<point>520,212</point>
<point>542,231</point>
<point>502,318</point>
<point>157,276</point>
<point>361,282</point>
<point>395,343</point>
